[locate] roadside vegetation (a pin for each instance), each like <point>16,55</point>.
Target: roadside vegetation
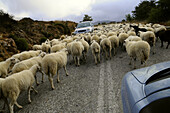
<point>155,11</point>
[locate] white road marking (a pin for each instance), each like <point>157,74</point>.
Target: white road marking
<point>111,93</point>
<point>100,102</point>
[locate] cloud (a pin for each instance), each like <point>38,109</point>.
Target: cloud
<point>46,9</point>
<point>74,10</point>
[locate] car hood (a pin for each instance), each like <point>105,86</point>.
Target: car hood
<point>142,75</point>
<point>84,28</point>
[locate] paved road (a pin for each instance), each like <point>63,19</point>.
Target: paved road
<point>89,88</point>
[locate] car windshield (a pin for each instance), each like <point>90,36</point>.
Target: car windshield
<point>80,25</point>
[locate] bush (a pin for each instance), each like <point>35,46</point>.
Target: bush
<point>43,39</point>
<point>22,44</point>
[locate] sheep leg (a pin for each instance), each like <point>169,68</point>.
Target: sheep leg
<point>58,80</point>
<point>110,53</point>
<point>11,107</point>
<point>65,71</point>
<point>36,80</point>
<point>29,99</point>
<point>32,87</point>
<point>42,76</point>
<point>167,45</point>
<point>114,51</point>
<point>153,49</point>
<point>14,96</point>
<point>134,63</point>
<point>75,60</point>
<point>78,58</point>
<point>98,57</point>
<point>106,54</point>
<point>130,61</point>
<point>51,82</point>
<point>5,102</point>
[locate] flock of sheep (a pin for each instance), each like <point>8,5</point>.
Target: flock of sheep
<point>18,73</point>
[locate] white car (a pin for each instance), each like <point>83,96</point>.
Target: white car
<point>84,27</point>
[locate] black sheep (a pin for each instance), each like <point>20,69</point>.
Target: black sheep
<point>164,36</point>
<point>137,29</point>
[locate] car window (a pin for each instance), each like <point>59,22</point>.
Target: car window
<point>80,25</point>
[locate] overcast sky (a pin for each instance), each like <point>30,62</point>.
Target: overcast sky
<point>73,10</point>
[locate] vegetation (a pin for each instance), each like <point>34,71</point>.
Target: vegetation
<point>87,18</point>
<point>43,39</point>
<point>22,44</point>
<point>151,11</point>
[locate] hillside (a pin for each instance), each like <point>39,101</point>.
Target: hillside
<point>27,32</point>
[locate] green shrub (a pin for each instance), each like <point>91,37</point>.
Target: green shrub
<point>22,44</point>
<point>43,39</point>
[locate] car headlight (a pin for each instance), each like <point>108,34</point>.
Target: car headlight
<point>88,29</point>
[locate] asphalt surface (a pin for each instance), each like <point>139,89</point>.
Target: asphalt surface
<point>89,88</point>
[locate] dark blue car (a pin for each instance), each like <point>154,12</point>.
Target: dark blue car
<point>147,90</point>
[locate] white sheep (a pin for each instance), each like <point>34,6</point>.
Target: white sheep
<point>77,49</point>
<point>111,34</point>
<point>4,66</point>
<point>57,47</point>
<point>13,85</point>
<point>106,47</point>
<point>54,42</point>
<point>95,48</point>
<point>114,42</point>
<point>149,36</point>
<point>1,95</point>
<point>122,38</point>
<point>133,38</point>
<point>96,38</point>
<point>88,38</point>
<point>37,47</point>
<point>86,48</point>
<point>27,64</point>
<point>52,63</point>
<point>131,33</point>
<point>46,47</point>
<point>27,54</point>
<point>138,50</point>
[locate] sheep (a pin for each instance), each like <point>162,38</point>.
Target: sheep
<point>96,38</point>
<point>68,46</point>
<point>114,42</point>
<point>137,29</point>
<point>1,95</point>
<point>95,47</point>
<point>103,36</point>
<point>106,47</point>
<point>86,48</point>
<point>158,30</point>
<point>111,34</point>
<point>164,37</point>
<point>122,37</point>
<point>27,54</point>
<point>76,51</point>
<point>131,33</point>
<point>138,50</point>
<point>133,38</point>
<point>58,47</point>
<point>13,85</point>
<point>52,63</point>
<point>149,36</point>
<point>27,64</point>
<point>46,47</point>
<point>63,37</point>
<point>4,66</point>
<point>54,42</point>
<point>88,38</point>
<point>37,47</point>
